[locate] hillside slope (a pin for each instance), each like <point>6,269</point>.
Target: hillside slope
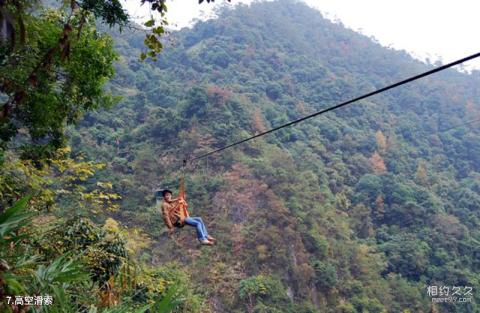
<point>355,211</point>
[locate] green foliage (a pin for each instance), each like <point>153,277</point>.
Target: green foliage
<point>327,204</point>
<point>104,251</point>
<point>22,273</point>
<point>53,78</point>
<point>94,257</point>
<point>253,287</point>
<point>56,72</point>
<point>165,288</point>
<point>264,294</point>
<point>12,219</point>
<point>407,255</point>
<point>325,274</point>
<point>57,183</point>
<point>111,12</point>
<point>356,210</point>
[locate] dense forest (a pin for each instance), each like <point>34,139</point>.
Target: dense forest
<point>358,210</point>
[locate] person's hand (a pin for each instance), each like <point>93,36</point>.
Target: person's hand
<point>170,232</point>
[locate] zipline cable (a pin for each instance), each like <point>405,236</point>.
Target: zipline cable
<point>460,125</point>
<point>405,81</point>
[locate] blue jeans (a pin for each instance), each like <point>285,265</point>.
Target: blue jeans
<point>198,223</point>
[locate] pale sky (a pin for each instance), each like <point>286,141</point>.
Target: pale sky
<point>435,29</point>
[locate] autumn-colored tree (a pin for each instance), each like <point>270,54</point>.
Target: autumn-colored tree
<point>258,121</point>
<point>218,95</point>
<point>421,174</point>
<point>472,110</point>
<point>381,141</point>
<point>379,207</point>
<point>378,165</point>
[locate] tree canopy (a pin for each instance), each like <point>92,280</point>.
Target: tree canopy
<point>359,210</point>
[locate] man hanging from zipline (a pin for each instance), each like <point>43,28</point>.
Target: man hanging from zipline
<point>175,214</point>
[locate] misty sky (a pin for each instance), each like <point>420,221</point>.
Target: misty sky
<point>433,29</point>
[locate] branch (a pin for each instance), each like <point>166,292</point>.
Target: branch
<point>31,80</point>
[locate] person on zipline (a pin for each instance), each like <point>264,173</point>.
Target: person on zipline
<point>175,213</point>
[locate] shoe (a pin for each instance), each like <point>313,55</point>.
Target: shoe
<point>211,238</point>
<point>206,242</point>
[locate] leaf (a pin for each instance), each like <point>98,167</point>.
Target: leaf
<point>13,283</point>
<point>18,206</point>
<point>168,303</point>
<point>13,218</point>
<point>149,23</point>
<point>158,30</point>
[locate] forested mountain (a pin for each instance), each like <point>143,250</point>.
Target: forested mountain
<point>358,210</point>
